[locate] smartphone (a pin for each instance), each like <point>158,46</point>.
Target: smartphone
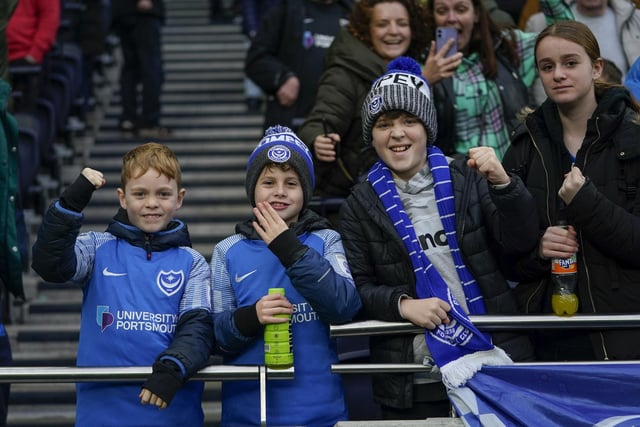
<point>443,34</point>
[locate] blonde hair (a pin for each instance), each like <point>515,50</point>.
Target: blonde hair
<point>150,156</point>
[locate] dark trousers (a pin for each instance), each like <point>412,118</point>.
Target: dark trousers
<point>141,44</point>
<point>429,401</point>
<point>6,359</point>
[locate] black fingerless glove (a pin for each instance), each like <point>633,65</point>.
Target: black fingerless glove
<point>247,322</point>
<point>165,381</point>
<point>76,197</point>
<point>287,248</point>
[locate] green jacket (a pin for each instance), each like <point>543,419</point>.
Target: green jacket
<point>6,10</point>
<point>351,67</point>
<point>10,260</point>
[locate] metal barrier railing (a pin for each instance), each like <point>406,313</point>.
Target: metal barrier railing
<point>86,374</point>
<point>489,323</point>
<point>492,323</point>
<point>408,368</point>
<point>369,327</point>
<point>132,373</point>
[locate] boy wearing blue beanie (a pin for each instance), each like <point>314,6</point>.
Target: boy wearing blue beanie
<point>284,245</point>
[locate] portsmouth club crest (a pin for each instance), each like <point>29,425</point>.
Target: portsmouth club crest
<point>170,282</point>
<point>279,154</point>
<point>375,105</point>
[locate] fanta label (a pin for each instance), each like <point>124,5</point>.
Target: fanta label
<point>564,265</point>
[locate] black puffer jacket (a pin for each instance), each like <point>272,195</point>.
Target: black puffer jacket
<point>492,221</point>
<point>605,212</point>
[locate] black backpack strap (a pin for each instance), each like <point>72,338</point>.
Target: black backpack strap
<point>628,154</point>
<point>630,177</point>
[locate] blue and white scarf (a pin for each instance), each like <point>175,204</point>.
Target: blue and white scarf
<point>458,348</point>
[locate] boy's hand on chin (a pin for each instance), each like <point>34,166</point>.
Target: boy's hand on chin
<point>269,225</point>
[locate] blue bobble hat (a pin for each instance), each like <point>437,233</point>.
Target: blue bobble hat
<point>281,145</point>
<point>402,87</point>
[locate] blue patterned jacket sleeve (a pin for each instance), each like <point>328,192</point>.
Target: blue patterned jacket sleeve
<point>228,337</point>
<point>326,282</point>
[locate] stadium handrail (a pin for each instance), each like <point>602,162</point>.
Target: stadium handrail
<point>490,323</point>
<point>75,374</point>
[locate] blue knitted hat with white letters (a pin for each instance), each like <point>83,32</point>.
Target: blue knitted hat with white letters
<point>402,87</point>
<point>281,145</point>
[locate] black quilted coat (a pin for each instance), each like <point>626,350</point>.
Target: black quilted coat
<point>488,221</point>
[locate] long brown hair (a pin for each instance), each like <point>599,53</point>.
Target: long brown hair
<point>360,20</point>
<point>485,37</point>
<point>578,33</point>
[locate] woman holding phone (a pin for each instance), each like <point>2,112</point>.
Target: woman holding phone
<point>479,90</point>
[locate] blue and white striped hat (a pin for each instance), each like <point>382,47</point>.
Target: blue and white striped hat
<point>281,145</point>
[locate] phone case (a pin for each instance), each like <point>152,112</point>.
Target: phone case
<point>443,34</point>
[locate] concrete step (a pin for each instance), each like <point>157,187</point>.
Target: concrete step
<point>198,57</point>
<point>30,349</point>
<point>187,133</point>
<point>42,317</point>
<point>43,342</point>
<point>199,19</point>
<point>185,150</point>
<point>57,292</point>
<point>202,43</point>
<point>172,5</point>
<point>207,121</point>
<point>191,212</point>
<point>42,393</point>
<point>65,355</point>
<point>44,312</point>
<point>53,404</point>
<point>35,393</point>
<point>230,194</point>
<point>53,415</point>
<point>63,415</point>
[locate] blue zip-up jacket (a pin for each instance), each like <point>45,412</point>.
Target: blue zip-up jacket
<point>145,298</point>
<point>309,263</point>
